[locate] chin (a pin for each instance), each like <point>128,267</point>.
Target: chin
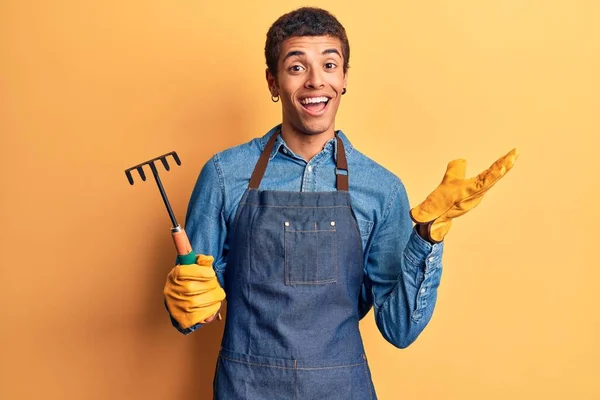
<point>315,128</point>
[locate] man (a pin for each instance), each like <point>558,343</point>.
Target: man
<point>305,234</point>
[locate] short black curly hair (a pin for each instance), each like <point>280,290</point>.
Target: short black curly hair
<point>305,21</point>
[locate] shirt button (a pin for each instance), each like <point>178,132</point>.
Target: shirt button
<point>431,259</point>
<point>332,223</point>
<point>309,168</point>
<point>285,150</point>
<point>422,290</point>
<point>286,223</point>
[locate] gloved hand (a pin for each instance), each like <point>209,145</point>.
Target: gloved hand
<point>192,293</point>
<point>457,195</point>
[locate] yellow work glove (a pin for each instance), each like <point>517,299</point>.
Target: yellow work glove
<point>192,293</point>
<point>457,195</point>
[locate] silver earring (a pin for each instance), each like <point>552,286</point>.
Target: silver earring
<point>344,91</point>
<point>274,99</point>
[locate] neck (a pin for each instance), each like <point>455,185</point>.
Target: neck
<point>303,144</point>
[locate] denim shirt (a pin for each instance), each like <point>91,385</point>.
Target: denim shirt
<point>402,271</point>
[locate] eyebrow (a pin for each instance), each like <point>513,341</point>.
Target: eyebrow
<point>301,53</point>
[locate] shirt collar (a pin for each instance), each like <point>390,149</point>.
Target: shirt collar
<point>279,142</point>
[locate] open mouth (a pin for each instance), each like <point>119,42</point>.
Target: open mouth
<point>315,105</point>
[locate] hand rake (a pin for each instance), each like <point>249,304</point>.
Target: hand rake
<point>184,249</point>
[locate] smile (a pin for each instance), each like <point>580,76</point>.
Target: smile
<point>315,105</point>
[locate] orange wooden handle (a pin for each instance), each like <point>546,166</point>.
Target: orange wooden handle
<point>182,243</point>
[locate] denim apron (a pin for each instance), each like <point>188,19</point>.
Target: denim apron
<point>293,278</point>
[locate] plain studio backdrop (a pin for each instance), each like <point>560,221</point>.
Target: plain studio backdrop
<point>90,88</point>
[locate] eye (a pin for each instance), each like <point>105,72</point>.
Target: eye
<point>296,68</point>
<point>330,65</point>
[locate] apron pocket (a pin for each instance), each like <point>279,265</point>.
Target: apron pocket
<point>310,253</point>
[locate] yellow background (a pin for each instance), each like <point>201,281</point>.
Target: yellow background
<point>90,88</point>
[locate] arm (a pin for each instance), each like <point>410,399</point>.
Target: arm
<point>205,219</point>
<point>206,229</point>
<point>403,280</point>
<point>403,274</point>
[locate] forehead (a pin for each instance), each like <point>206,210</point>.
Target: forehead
<point>309,45</point>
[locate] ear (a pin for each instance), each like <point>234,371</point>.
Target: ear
<point>271,82</point>
<point>346,79</point>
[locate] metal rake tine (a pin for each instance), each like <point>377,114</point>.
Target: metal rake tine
<point>165,163</point>
<point>140,169</point>
<point>129,177</point>
<point>176,157</point>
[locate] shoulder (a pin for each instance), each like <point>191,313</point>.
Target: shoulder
<point>241,157</point>
<point>368,171</point>
<point>239,153</point>
<point>375,189</point>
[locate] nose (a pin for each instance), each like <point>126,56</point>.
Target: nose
<point>314,79</point>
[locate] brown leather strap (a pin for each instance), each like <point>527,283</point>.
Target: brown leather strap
<point>341,180</point>
<point>261,165</point>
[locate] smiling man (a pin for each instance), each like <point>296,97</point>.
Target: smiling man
<point>304,235</point>
<point>308,73</point>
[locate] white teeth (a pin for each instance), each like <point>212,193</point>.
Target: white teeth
<point>312,100</point>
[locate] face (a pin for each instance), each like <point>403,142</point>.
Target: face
<point>309,81</point>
